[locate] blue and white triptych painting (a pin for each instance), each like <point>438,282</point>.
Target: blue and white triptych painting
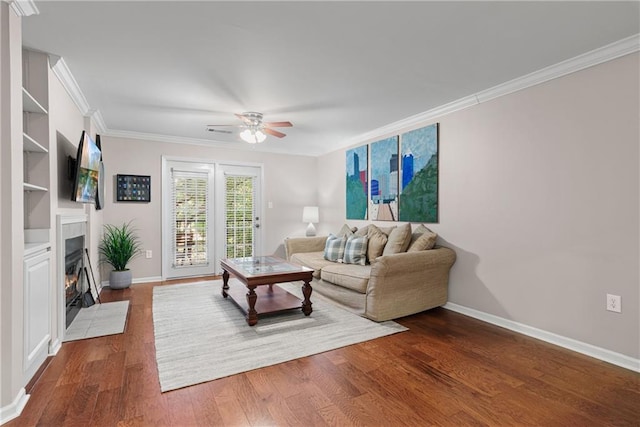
<point>403,180</point>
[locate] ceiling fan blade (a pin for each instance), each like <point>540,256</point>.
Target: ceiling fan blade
<point>219,126</point>
<point>278,124</point>
<point>273,132</point>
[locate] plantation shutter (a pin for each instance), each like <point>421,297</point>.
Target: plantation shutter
<point>189,198</point>
<point>239,211</point>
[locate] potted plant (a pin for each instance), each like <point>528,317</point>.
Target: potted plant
<point>119,246</point>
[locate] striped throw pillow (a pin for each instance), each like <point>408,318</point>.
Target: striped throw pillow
<point>355,250</point>
<point>334,248</point>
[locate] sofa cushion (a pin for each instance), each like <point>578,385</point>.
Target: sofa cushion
<point>377,241</point>
<point>346,231</point>
<point>350,276</point>
<point>362,231</point>
<point>399,240</point>
<point>422,239</point>
<point>387,230</point>
<point>334,248</point>
<point>313,260</point>
<point>355,250</point>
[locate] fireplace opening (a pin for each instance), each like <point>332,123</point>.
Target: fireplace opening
<point>73,276</point>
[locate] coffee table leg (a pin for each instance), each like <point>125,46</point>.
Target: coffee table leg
<point>252,314</point>
<point>225,282</point>
<point>306,304</point>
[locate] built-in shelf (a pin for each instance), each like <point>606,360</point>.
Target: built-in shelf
<point>31,187</point>
<point>31,145</point>
<point>30,105</point>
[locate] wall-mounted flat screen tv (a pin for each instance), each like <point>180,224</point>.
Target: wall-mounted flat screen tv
<point>85,183</point>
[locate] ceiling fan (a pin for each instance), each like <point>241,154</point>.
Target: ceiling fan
<point>255,130</point>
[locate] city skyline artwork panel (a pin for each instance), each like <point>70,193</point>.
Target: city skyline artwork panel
<point>418,198</point>
<point>357,183</point>
<point>383,200</point>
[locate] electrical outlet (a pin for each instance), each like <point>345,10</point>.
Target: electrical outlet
<point>614,303</point>
<point>148,253</point>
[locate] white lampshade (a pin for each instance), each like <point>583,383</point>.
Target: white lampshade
<point>310,214</point>
<point>253,136</point>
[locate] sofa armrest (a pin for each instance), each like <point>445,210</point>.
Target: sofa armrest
<point>293,245</point>
<point>408,282</point>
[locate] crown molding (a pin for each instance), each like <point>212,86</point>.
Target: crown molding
<point>589,59</point>
<point>416,120</point>
<point>24,7</point>
<point>162,138</point>
<point>63,73</point>
<point>98,120</point>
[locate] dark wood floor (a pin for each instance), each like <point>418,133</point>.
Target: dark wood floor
<point>447,370</point>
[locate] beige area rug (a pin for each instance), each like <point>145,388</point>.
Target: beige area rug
<point>98,320</point>
<point>201,336</point>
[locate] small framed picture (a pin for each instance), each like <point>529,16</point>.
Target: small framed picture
<point>133,188</point>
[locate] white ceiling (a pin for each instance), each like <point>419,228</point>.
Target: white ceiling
<point>335,69</point>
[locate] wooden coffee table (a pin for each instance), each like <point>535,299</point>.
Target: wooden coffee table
<point>252,297</point>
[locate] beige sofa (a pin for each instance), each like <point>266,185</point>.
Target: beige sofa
<point>390,286</point>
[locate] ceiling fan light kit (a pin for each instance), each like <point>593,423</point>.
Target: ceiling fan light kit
<point>255,130</point>
<point>253,136</point>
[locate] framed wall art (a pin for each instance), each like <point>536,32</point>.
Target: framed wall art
<point>133,188</point>
<point>418,200</point>
<point>357,182</point>
<point>383,201</point>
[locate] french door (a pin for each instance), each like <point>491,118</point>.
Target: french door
<point>239,187</point>
<point>210,211</point>
<point>188,228</point>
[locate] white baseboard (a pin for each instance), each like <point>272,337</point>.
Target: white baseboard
<point>147,279</point>
<point>55,346</point>
<point>13,410</point>
<point>136,281</point>
<point>605,355</point>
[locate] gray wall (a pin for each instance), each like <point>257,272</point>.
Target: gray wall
<point>540,197</point>
<point>289,184</point>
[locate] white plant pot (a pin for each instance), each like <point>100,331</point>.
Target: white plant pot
<point>120,279</point>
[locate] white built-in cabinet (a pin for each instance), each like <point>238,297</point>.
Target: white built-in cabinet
<point>37,211</point>
<point>37,309</point>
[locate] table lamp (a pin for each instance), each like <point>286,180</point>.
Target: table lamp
<point>310,214</point>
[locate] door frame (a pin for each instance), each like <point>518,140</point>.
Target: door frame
<point>217,209</point>
<point>166,217</point>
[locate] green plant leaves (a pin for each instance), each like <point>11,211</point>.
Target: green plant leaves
<point>119,245</point>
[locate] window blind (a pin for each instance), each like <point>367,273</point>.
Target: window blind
<point>189,198</point>
<point>239,211</point>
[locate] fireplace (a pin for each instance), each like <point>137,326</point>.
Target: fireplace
<point>71,279</point>
<point>73,276</point>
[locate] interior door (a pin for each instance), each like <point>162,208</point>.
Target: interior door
<point>188,219</point>
<point>240,220</point>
